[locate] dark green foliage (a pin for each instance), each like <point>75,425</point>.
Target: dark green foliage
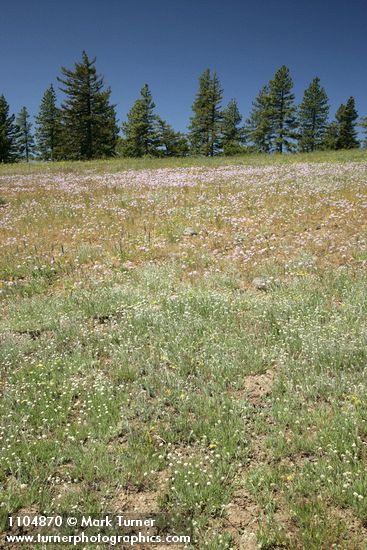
<point>312,114</point>
<point>147,134</point>
<point>7,133</point>
<point>140,129</point>
<point>258,125</point>
<point>88,119</point>
<point>24,137</point>
<point>342,133</point>
<point>346,117</point>
<point>330,140</point>
<point>48,131</point>
<point>282,111</point>
<point>172,144</point>
<point>272,123</point>
<point>232,133</point>
<point>85,126</point>
<point>206,123</point>
<point>364,128</point>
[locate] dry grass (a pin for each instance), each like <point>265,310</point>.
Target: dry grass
<point>141,364</point>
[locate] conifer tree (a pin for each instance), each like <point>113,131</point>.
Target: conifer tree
<point>313,113</point>
<point>48,131</point>
<point>140,129</point>
<point>258,129</point>
<point>346,117</point>
<point>24,137</point>
<point>364,128</point>
<point>282,111</point>
<point>330,138</point>
<point>232,133</point>
<point>7,133</point>
<point>205,127</point>
<point>172,144</point>
<point>88,119</point>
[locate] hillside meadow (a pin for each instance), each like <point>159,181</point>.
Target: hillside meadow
<point>188,337</point>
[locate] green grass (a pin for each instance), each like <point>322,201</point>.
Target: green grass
<point>117,164</point>
<point>148,369</point>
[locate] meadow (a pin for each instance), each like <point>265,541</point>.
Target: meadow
<point>188,337</point>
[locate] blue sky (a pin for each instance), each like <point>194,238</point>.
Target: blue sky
<point>168,43</point>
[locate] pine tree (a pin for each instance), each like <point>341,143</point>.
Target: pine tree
<point>346,117</point>
<point>313,113</point>
<point>88,119</point>
<point>24,137</point>
<point>172,144</point>
<point>330,138</point>
<point>282,111</point>
<point>232,133</point>
<point>364,128</point>
<point>258,129</point>
<point>7,133</point>
<point>140,129</point>
<point>205,126</point>
<point>48,131</point>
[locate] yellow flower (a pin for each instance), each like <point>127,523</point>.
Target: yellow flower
<point>355,399</point>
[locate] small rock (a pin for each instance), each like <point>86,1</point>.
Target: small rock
<point>261,283</point>
<point>128,266</point>
<point>189,232</point>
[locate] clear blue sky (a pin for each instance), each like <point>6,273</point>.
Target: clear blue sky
<point>168,43</point>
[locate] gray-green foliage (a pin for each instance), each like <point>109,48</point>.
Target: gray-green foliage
<point>122,376</point>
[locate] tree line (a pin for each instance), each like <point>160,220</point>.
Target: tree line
<point>85,125</point>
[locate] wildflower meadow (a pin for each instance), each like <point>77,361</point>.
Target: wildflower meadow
<point>188,337</point>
